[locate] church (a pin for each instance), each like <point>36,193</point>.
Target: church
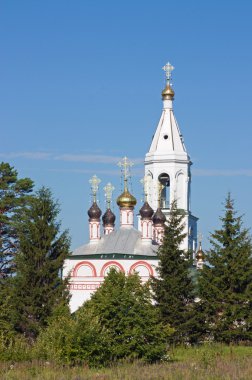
<point>167,177</point>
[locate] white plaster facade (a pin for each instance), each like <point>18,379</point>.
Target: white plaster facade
<point>88,274</point>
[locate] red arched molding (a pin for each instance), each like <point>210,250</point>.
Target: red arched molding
<point>144,264</point>
<point>111,263</point>
<point>84,263</point>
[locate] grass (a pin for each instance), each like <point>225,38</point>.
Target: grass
<point>210,362</point>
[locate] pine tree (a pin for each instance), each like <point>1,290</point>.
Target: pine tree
<point>174,288</point>
<point>38,288</point>
<point>225,282</point>
<point>124,309</point>
<point>14,194</point>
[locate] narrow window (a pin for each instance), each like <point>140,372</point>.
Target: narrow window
<point>164,180</point>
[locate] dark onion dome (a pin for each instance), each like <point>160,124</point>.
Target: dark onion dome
<point>126,200</point>
<point>159,217</point>
<point>108,218</point>
<point>146,211</point>
<point>94,212</point>
<point>200,254</point>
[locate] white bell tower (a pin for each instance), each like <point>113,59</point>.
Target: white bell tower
<point>167,165</point>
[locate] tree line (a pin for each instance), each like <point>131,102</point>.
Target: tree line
<point>124,319</point>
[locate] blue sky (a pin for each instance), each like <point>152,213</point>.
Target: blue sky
<point>80,85</point>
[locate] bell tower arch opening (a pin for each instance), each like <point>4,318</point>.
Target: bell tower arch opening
<point>164,180</point>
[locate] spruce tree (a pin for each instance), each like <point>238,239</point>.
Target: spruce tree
<point>225,282</point>
<point>38,288</point>
<point>174,289</point>
<point>14,195</point>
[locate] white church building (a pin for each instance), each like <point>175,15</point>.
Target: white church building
<point>167,178</point>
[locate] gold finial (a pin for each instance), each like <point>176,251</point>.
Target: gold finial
<point>200,253</point>
<point>94,182</point>
<point>168,93</point>
<point>109,188</point>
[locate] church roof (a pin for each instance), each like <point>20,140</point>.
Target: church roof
<point>167,138</point>
<point>123,241</point>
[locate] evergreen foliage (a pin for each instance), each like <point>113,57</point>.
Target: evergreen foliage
<point>225,282</point>
<point>6,322</point>
<point>118,322</point>
<point>38,288</point>
<point>14,194</point>
<point>174,289</point>
<point>124,309</point>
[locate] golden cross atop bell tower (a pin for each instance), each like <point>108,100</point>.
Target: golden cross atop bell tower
<point>168,69</point>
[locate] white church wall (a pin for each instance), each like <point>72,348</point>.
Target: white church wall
<point>87,275</point>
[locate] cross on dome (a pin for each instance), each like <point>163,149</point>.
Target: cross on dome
<point>200,237</point>
<point>125,166</point>
<point>144,182</point>
<point>109,188</point>
<point>168,68</point>
<point>94,182</point>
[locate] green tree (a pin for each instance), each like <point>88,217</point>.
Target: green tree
<point>225,282</point>
<point>6,325</point>
<point>14,195</point>
<point>76,339</point>
<point>124,309</point>
<point>38,288</point>
<point>174,291</point>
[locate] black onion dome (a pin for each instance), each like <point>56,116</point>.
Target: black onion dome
<point>108,218</point>
<point>94,212</point>
<point>146,211</point>
<point>159,217</point>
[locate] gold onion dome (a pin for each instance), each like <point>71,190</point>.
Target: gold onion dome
<point>168,93</point>
<point>126,199</point>
<point>200,254</point>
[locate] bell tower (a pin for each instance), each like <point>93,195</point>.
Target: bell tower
<point>167,166</point>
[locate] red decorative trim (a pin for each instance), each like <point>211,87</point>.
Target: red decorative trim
<point>144,264</point>
<point>86,286</point>
<point>111,263</point>
<point>84,263</point>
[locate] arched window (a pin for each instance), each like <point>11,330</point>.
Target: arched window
<point>164,180</point>
<point>111,264</point>
<point>144,269</point>
<point>84,269</point>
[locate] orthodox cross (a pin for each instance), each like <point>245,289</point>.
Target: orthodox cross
<point>168,68</point>
<point>109,188</point>
<point>125,165</point>
<point>144,182</point>
<point>200,238</point>
<point>94,182</point>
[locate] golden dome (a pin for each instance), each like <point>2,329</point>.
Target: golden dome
<point>168,93</point>
<point>126,199</point>
<point>200,254</point>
